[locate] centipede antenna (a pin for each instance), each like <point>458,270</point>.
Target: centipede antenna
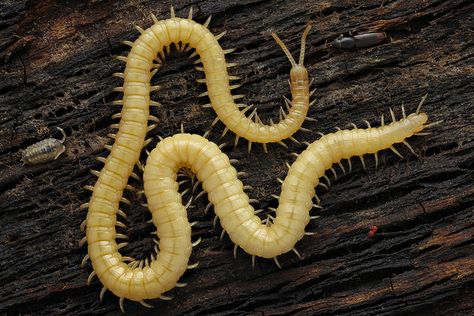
<point>284,48</point>
<point>422,134</point>
<point>421,103</point>
<point>432,124</point>
<point>303,44</point>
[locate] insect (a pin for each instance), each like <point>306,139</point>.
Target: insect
<point>359,41</point>
<point>44,151</point>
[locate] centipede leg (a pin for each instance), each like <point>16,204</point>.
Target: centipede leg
<point>396,152</point>
<point>409,147</point>
<point>102,292</point>
<point>145,304</point>
<point>277,262</point>
<point>235,251</point>
<point>121,299</point>
<point>297,253</point>
<point>91,276</point>
<point>363,162</point>
<point>84,260</point>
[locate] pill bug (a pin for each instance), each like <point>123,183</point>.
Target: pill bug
<point>268,239</point>
<point>44,151</point>
<point>359,41</point>
<point>156,40</point>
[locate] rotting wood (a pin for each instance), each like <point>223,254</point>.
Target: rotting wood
<point>56,69</point>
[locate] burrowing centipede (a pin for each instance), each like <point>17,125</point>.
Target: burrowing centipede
<point>276,236</point>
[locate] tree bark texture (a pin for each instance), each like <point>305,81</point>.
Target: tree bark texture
<point>56,69</point>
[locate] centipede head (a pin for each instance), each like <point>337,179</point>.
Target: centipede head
<point>418,121</point>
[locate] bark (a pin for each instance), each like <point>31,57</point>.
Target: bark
<point>56,65</point>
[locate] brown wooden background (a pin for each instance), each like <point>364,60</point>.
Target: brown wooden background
<point>55,70</point>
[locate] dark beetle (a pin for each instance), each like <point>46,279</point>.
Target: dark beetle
<point>359,41</point>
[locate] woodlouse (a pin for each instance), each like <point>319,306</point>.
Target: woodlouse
<point>45,150</point>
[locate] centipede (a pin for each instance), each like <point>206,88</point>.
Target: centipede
<point>144,280</point>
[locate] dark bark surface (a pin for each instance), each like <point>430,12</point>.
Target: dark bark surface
<point>56,69</point>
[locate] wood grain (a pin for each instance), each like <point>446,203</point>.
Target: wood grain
<point>56,65</point>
